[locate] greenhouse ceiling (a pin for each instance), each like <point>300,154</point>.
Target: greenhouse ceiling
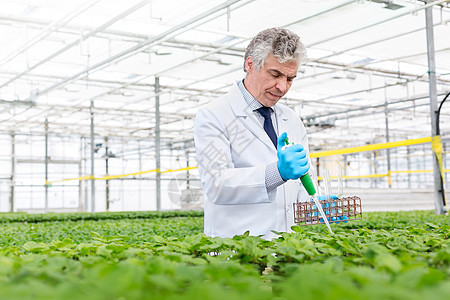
<point>65,61</point>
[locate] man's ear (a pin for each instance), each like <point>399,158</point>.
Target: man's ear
<point>249,64</point>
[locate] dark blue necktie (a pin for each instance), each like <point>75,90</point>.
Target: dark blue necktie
<point>268,126</point>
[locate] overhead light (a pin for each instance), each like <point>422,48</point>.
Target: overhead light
<point>223,63</point>
<point>350,75</point>
<point>216,59</point>
<point>226,39</point>
<point>109,155</point>
<point>126,93</point>
<point>131,76</point>
<point>343,75</point>
<point>327,123</point>
<point>71,89</point>
<point>388,4</point>
<point>393,6</point>
<point>362,61</point>
<point>160,52</point>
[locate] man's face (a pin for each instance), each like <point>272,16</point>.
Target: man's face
<point>272,81</point>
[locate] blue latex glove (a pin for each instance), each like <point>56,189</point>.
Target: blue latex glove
<point>340,218</point>
<point>292,161</point>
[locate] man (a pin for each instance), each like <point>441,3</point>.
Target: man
<point>247,176</point>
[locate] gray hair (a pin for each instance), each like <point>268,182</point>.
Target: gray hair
<point>282,43</point>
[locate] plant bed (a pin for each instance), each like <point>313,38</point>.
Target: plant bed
<point>402,255</point>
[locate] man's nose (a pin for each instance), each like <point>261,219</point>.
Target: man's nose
<point>282,85</point>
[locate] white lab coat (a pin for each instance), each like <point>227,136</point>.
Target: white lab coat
<point>232,153</point>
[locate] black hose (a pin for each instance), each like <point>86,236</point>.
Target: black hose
<point>439,114</point>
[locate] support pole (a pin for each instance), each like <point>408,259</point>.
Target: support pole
<point>318,168</point>
<point>157,145</point>
<point>358,159</point>
<point>13,171</point>
<point>92,158</point>
<point>408,161</point>
<point>140,175</point>
<point>438,192</point>
<point>46,164</point>
<point>345,170</point>
<point>188,184</point>
<point>388,152</point>
<point>85,172</point>
<point>444,159</point>
<point>80,170</point>
<point>424,164</point>
<point>374,181</point>
<point>107,172</point>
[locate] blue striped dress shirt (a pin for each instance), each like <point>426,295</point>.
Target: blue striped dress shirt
<point>273,178</point>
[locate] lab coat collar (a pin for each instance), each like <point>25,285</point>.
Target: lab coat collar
<point>237,102</point>
<point>283,120</point>
<point>249,120</point>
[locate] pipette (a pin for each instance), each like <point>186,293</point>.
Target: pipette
<point>311,190</point>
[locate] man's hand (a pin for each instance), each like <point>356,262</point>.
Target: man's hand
<point>292,161</point>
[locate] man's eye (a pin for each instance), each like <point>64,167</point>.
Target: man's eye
<point>276,75</point>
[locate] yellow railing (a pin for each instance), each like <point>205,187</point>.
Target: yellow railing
<point>435,145</point>
<point>371,147</point>
<point>109,177</point>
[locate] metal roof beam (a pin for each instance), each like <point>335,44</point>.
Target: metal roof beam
<point>76,42</point>
<point>163,36</point>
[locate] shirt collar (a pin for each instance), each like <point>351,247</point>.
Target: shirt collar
<point>251,101</point>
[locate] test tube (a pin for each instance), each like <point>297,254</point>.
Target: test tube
<point>340,187</point>
<point>340,182</point>
<point>327,183</point>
